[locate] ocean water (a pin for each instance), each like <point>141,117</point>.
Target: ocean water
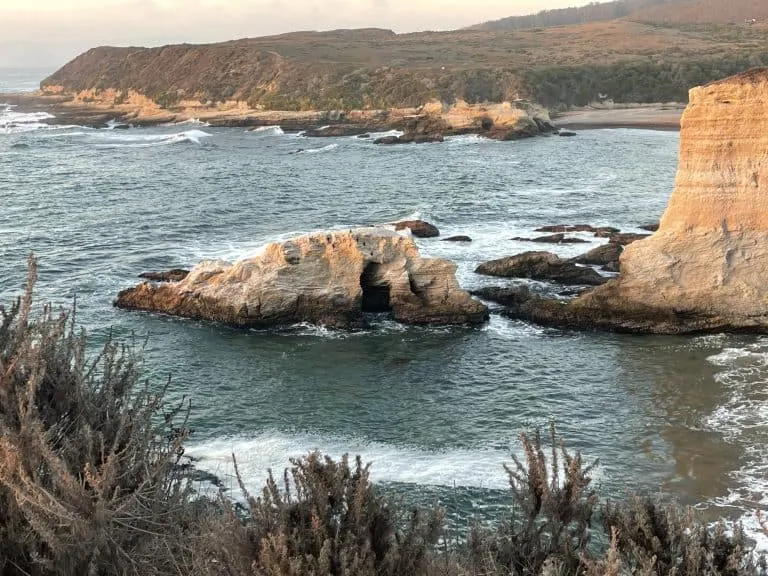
<point>436,410</point>
<point>13,80</point>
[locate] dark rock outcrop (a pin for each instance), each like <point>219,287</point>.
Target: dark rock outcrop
<point>553,239</point>
<point>560,228</point>
<point>541,266</point>
<point>601,256</point>
<point>418,228</point>
<point>337,130</point>
<point>626,238</point>
<point>175,275</point>
<point>457,239</point>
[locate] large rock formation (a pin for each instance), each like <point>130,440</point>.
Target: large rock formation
<point>706,267</point>
<point>324,278</point>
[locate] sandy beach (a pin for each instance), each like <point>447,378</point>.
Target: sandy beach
<point>659,117</point>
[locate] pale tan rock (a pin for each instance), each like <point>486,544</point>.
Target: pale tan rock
<point>705,269</point>
<point>710,254</point>
<point>323,278</point>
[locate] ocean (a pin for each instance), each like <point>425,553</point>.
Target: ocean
<point>436,411</point>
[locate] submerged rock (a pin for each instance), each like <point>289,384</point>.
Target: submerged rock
<point>325,278</point>
<point>552,239</point>
<point>336,130</point>
<point>418,228</point>
<point>541,266</point>
<point>459,238</point>
<point>560,228</point>
<point>705,268</point>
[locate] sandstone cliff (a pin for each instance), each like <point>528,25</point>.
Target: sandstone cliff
<point>324,278</point>
<point>706,267</point>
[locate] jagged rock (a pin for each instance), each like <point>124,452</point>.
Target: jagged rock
<point>559,228</point>
<point>387,140</point>
<point>612,267</point>
<point>410,138</point>
<point>606,231</point>
<point>626,238</point>
<point>541,266</point>
<point>650,227</point>
<point>457,239</point>
<point>325,278</point>
<point>566,133</point>
<point>175,275</point>
<point>516,295</point>
<point>418,228</point>
<point>705,268</point>
<point>552,239</point>
<point>336,130</point>
<point>601,256</point>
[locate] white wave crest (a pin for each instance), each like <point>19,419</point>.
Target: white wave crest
<point>742,419</point>
<point>150,140</point>
<point>188,122</point>
<point>268,130</point>
<point>319,150</point>
<point>470,139</point>
<point>12,122</point>
<point>375,135</point>
<point>271,450</point>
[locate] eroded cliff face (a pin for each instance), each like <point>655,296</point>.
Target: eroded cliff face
<point>710,254</point>
<point>707,264</point>
<point>325,278</point>
<point>705,269</point>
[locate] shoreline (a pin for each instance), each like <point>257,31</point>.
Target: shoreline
<point>650,117</point>
<point>94,115</point>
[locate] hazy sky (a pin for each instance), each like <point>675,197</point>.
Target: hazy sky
<point>48,33</point>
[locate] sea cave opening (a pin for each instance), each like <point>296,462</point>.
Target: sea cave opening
<point>375,290</point>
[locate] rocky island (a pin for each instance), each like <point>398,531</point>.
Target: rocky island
<point>328,278</point>
<point>704,269</point>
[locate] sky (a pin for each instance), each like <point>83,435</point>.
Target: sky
<point>49,33</point>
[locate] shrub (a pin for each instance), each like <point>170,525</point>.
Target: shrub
<point>551,516</point>
<point>327,519</point>
<point>658,538</point>
<point>88,478</point>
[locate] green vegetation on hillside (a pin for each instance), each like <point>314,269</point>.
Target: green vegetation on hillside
<point>376,69</point>
<point>93,482</point>
<point>650,11</point>
<point>642,81</point>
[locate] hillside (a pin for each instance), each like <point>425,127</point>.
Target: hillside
<point>648,11</point>
<point>353,69</point>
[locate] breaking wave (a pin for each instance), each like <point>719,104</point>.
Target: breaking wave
<point>15,122</point>
<point>151,140</point>
<point>267,131</point>
<point>742,419</point>
<point>272,450</point>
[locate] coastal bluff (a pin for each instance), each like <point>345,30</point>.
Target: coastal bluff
<point>705,268</point>
<point>327,278</point>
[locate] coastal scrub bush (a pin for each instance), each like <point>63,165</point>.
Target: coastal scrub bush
<point>551,516</point>
<point>325,518</point>
<point>88,477</point>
